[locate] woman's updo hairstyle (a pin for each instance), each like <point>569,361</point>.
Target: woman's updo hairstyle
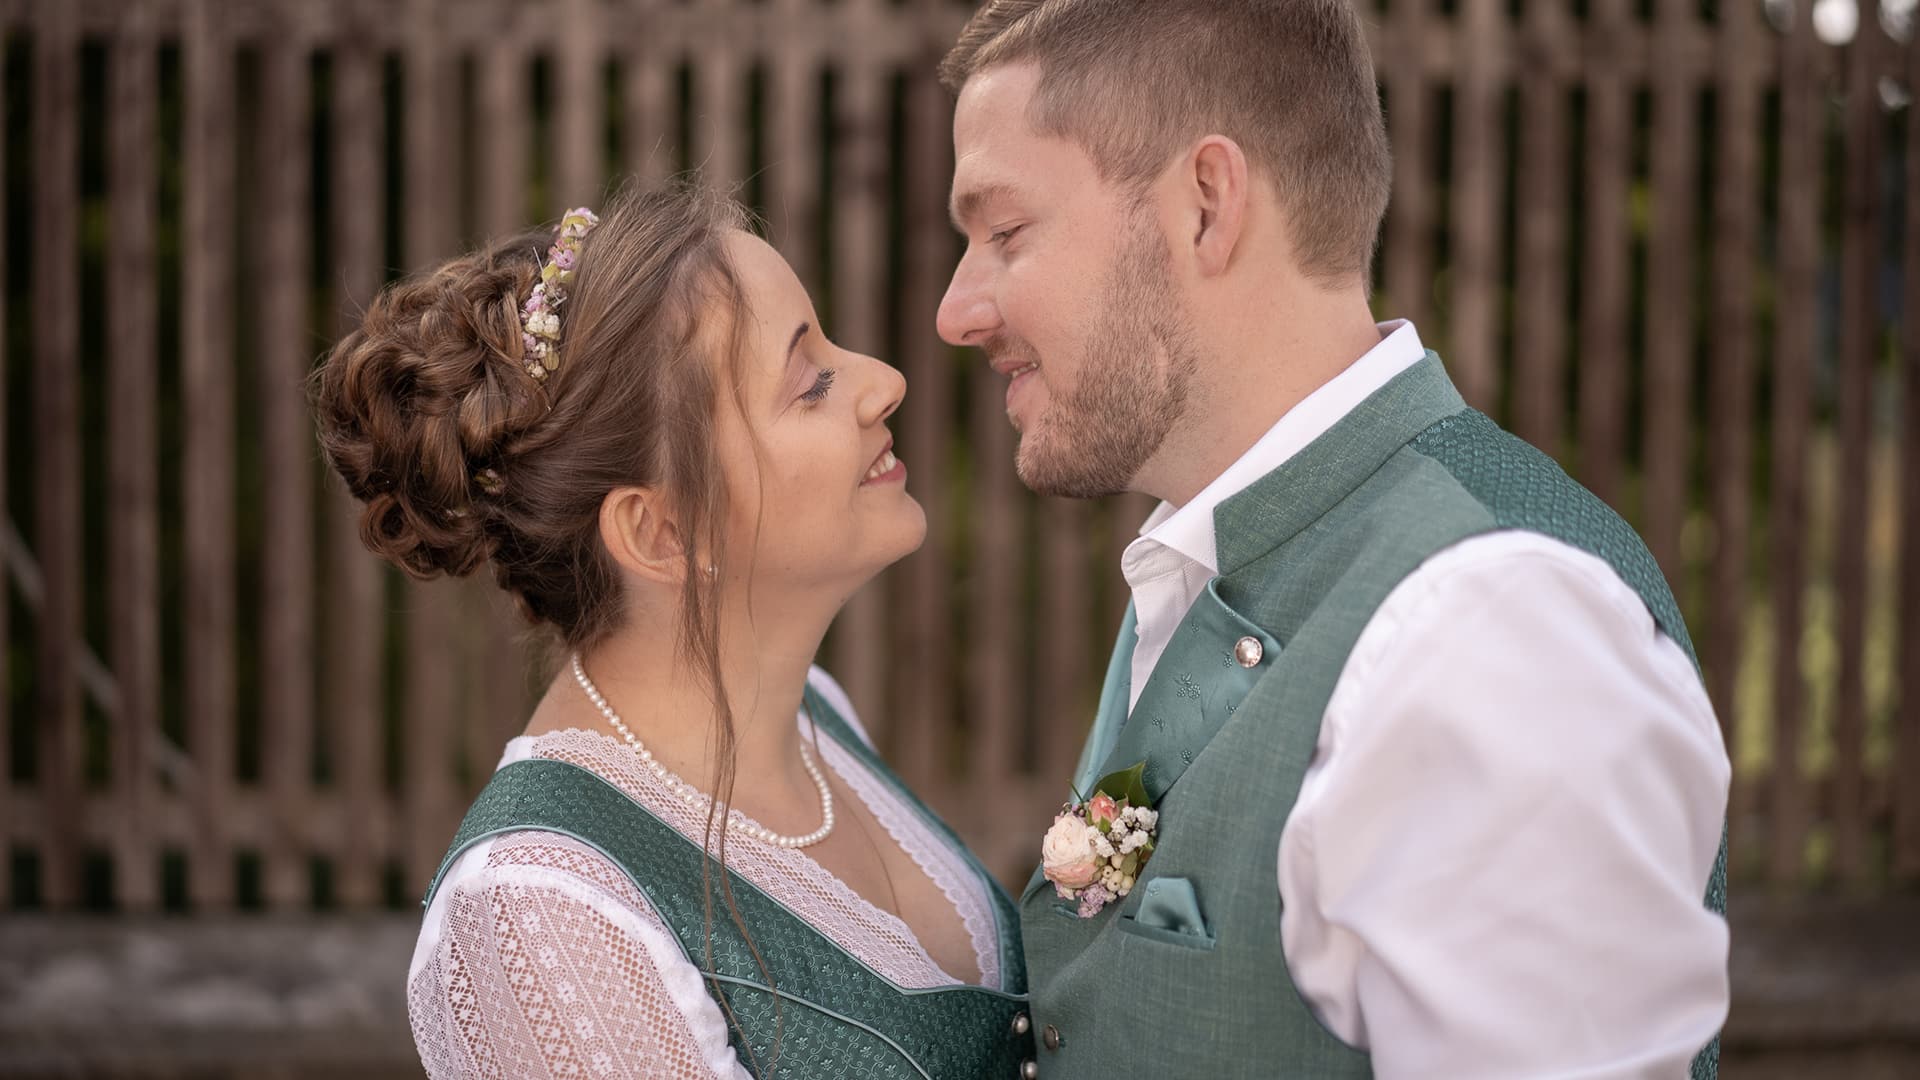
<point>462,457</point>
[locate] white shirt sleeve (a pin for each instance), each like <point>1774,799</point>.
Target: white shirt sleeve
<point>1497,863</point>
<point>538,958</point>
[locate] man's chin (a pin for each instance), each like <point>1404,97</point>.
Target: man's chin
<point>1050,470</point>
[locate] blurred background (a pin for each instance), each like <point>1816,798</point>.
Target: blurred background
<point>1673,242</point>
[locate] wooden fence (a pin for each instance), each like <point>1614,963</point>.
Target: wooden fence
<point>1672,242</point>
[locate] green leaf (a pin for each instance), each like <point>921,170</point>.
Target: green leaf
<point>1127,784</point>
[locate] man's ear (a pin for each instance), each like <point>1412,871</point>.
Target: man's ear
<point>1214,179</point>
<point>642,536</point>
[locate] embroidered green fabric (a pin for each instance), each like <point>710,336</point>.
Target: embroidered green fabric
<point>822,1013</point>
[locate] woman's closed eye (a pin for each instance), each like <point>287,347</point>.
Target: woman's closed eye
<point>821,384</point>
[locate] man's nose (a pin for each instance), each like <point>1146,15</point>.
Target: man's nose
<point>967,314</point>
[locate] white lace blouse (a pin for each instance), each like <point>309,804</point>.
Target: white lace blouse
<point>539,958</point>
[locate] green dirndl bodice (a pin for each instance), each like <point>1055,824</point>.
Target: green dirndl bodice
<point>814,1010</point>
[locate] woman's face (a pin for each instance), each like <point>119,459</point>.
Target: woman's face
<point>823,503</point>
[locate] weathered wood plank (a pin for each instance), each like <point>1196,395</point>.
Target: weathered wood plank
<point>1801,136</point>
<point>133,583</point>
<point>57,440</point>
<point>1409,240</point>
<point>1668,445</point>
<point>1860,343</point>
<point>1540,282</point>
<point>207,392</point>
<point>351,700</point>
<point>1472,356</point>
<point>1604,358</point>
<point>1906,817</point>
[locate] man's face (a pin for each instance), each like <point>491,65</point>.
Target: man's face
<point>1067,286</point>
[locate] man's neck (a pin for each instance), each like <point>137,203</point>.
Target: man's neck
<point>1254,374</point>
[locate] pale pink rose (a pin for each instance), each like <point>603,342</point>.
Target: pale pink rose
<point>1066,855</point>
<point>1102,808</point>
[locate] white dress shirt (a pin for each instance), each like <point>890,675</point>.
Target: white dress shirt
<point>1496,864</point>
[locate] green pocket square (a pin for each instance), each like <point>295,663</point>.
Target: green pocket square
<point>1169,911</point>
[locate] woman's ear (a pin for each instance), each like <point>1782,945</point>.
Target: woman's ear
<point>642,536</point>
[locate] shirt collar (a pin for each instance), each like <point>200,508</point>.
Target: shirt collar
<point>1188,529</point>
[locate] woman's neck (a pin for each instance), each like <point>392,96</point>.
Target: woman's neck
<point>664,697</point>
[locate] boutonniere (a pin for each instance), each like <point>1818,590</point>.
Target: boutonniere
<point>1097,845</point>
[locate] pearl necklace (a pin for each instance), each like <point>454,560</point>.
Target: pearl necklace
<point>692,796</point>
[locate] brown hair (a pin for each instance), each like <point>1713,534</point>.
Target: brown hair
<point>462,458</point>
<point>1133,82</point>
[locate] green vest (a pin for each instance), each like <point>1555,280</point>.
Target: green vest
<point>834,1015</point>
<point>1186,975</point>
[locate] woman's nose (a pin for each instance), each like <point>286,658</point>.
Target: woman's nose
<point>884,388</point>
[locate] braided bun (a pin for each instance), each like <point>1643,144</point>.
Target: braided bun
<point>421,405</point>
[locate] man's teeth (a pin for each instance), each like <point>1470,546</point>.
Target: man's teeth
<point>883,466</point>
<point>1019,371</point>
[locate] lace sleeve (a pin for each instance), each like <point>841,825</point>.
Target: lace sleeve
<point>539,958</point>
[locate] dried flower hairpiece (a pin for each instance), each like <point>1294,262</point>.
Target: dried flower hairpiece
<point>541,334</point>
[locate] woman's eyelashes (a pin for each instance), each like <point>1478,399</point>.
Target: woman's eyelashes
<point>821,384</point>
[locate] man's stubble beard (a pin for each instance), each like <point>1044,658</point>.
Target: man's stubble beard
<point>1132,384</point>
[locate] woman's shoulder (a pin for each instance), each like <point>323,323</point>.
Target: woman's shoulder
<point>835,695</point>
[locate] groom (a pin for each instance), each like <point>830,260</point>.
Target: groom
<point>1440,792</point>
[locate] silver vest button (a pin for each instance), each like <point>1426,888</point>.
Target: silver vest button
<point>1248,651</point>
<point>1051,1037</point>
<point>1022,1025</point>
<point>1029,1070</point>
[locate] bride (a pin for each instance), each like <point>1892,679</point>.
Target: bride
<point>692,863</point>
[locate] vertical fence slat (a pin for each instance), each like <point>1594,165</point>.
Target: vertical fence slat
<point>430,693</point>
<point>7,719</point>
<point>286,599</point>
<point>207,381</point>
<point>505,145</point>
<point>1539,271</point>
<point>1906,765</point>
<point>352,700</point>
<point>1409,269</point>
<point>925,665</point>
<point>859,264</point>
<point>1471,355</point>
<point>577,105</point>
<point>1790,806</point>
<point>1859,349</point>
<point>1670,268</point>
<point>1603,311</point>
<point>646,112</point>
<point>792,148</point>
<point>719,129</point>
<point>133,589</point>
<point>1730,413</point>
<point>56,394</point>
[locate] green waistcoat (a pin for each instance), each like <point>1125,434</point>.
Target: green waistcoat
<point>835,1016</point>
<point>1186,975</point>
